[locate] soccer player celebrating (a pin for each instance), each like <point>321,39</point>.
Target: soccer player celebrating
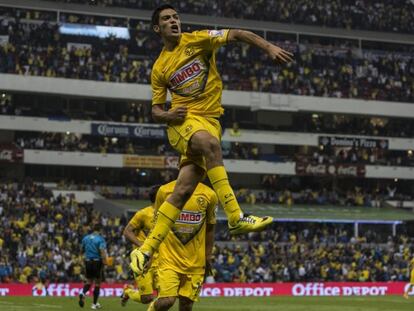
<point>411,286</point>
<point>187,68</point>
<point>184,257</point>
<point>94,248</point>
<point>136,231</point>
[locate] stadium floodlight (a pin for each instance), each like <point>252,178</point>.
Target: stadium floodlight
<point>94,31</point>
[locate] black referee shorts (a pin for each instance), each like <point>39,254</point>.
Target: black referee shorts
<point>94,269</point>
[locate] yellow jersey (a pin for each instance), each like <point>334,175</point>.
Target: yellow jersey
<point>142,222</point>
<point>412,264</point>
<point>183,250</point>
<point>189,71</point>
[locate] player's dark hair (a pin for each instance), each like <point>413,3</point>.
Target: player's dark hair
<point>153,193</point>
<point>155,19</point>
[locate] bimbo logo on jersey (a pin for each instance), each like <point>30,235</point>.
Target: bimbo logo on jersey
<point>186,73</point>
<point>187,217</point>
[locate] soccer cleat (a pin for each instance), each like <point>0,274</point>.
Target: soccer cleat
<point>139,262</point>
<point>81,300</point>
<point>250,223</point>
<point>124,296</point>
<point>96,306</point>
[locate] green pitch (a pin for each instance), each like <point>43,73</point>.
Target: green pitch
<point>308,211</point>
<point>390,303</point>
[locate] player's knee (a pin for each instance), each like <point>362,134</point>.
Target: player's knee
<point>185,303</point>
<point>211,148</point>
<point>146,299</point>
<point>184,192</point>
<point>166,302</point>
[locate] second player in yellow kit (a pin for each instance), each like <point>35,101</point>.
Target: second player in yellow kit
<point>410,287</point>
<point>136,231</point>
<point>187,69</point>
<point>187,248</point>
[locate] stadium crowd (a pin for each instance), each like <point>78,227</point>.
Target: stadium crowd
<point>370,15</point>
<point>40,234</point>
<point>328,71</point>
<point>240,151</point>
<point>312,258</point>
<point>88,143</point>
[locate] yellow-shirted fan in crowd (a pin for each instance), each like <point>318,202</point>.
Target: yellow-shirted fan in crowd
<point>187,68</point>
<point>184,256</point>
<point>136,231</point>
<point>411,286</point>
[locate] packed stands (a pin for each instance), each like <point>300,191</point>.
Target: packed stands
<point>328,71</point>
<point>368,15</point>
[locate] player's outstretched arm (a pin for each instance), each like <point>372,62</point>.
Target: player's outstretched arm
<point>275,53</point>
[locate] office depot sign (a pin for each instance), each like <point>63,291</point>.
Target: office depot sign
<point>305,289</point>
<point>225,289</point>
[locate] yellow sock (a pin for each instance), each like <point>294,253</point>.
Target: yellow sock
<point>166,217</point>
<point>133,294</point>
<point>220,182</point>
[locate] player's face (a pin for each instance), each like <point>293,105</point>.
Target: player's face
<point>169,24</point>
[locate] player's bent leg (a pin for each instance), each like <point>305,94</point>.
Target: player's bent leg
<point>209,146</point>
<point>163,303</point>
<point>185,304</point>
<point>188,178</point>
<point>125,294</point>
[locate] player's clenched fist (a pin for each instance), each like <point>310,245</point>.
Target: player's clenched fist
<point>177,114</point>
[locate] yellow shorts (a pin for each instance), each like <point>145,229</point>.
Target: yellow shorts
<point>412,277</point>
<point>180,135</point>
<point>174,284</point>
<point>147,283</point>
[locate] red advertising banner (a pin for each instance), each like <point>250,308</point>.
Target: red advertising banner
<point>10,153</point>
<point>304,168</point>
<point>225,289</point>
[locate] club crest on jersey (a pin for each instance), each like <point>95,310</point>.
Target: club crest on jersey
<point>187,217</point>
<point>216,33</point>
<point>189,51</point>
<point>186,73</point>
<point>201,201</point>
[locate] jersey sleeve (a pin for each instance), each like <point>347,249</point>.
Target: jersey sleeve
<point>159,88</point>
<point>213,38</point>
<point>212,209</point>
<point>135,221</point>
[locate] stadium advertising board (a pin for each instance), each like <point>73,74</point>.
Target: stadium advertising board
<point>10,153</point>
<point>224,289</point>
<point>121,130</point>
<point>150,161</point>
<point>304,168</point>
<point>335,141</point>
